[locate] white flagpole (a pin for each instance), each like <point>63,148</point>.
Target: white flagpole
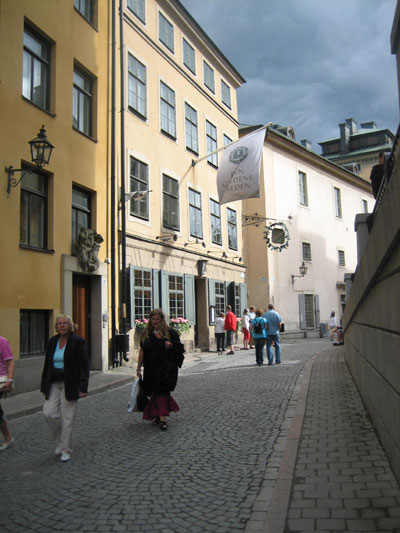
<point>194,162</point>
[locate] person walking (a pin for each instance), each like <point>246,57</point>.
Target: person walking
<point>332,324</point>
<point>220,333</point>
<point>6,380</point>
<point>65,379</point>
<point>259,334</point>
<point>252,316</point>
<point>230,327</point>
<point>273,336</point>
<point>246,329</point>
<point>160,354</point>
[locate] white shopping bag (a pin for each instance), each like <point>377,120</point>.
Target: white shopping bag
<point>133,396</point>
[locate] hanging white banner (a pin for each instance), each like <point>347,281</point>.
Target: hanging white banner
<point>238,176</point>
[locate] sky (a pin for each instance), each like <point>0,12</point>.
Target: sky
<point>309,64</point>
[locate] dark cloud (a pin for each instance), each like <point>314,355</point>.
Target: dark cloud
<point>308,63</point>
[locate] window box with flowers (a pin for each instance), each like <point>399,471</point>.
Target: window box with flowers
<point>140,325</point>
<point>180,324</point>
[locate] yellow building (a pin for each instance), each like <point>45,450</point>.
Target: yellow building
<point>54,72</point>
<point>183,250</point>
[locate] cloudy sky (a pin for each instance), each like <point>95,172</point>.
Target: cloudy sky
<point>307,63</point>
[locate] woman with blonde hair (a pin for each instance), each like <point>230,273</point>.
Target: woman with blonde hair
<point>65,379</point>
<point>161,354</point>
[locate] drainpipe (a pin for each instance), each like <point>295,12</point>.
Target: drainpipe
<point>113,184</point>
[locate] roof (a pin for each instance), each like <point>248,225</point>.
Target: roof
<point>362,131</point>
<point>370,150</point>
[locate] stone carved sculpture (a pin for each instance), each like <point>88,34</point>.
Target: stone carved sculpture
<point>87,249</point>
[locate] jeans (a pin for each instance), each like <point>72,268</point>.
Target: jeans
<point>220,341</point>
<point>260,343</point>
<point>276,339</point>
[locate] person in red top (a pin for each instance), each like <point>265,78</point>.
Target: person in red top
<point>230,328</point>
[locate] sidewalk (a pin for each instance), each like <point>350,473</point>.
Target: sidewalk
<point>26,403</point>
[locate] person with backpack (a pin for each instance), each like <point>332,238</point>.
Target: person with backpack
<point>273,337</point>
<point>259,334</point>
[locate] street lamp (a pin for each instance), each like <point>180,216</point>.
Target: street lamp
<point>41,150</point>
<point>302,270</point>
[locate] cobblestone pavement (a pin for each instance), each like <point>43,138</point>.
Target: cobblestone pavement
<point>213,470</point>
<point>342,479</point>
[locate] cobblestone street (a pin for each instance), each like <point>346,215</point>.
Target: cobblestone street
<point>204,474</point>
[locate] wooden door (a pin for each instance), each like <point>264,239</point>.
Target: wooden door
<point>81,306</point>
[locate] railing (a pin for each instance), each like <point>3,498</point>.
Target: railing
<point>387,172</point>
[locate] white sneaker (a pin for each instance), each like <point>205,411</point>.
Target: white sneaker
<point>65,457</point>
<point>58,449</point>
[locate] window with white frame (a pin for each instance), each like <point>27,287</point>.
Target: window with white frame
<point>227,140</point>
<point>138,8</point>
<point>338,202</point>
<point>215,219</point>
<point>196,224</point>
<point>36,69</point>
<point>191,130</point>
<point>211,143</point>
<point>226,94</point>
<point>166,32</point>
<point>232,229</point>
<point>137,82</point>
<point>219,298</point>
<point>82,102</point>
<point>175,296</point>
<point>139,181</point>
<point>142,293</point>
<point>303,193</point>
<point>306,251</point>
<point>209,80</point>
<point>170,203</point>
<point>341,258</point>
<point>86,9</point>
<point>168,111</point>
<point>189,58</point>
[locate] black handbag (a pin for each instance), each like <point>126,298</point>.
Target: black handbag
<point>141,400</point>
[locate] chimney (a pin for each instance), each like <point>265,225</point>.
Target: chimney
<point>352,125</point>
<point>344,138</point>
<point>306,143</point>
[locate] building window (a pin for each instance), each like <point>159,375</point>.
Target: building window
<point>143,293</point>
<point>196,225</point>
<point>139,181</point>
<point>365,206</point>
<point>33,211</point>
<point>219,298</point>
<point>82,102</point>
<point>211,143</point>
<point>232,229</point>
<point>189,57</point>
<point>137,98</point>
<point>36,69</point>
<point>168,117</point>
<point>338,203</point>
<point>341,258</point>
<point>215,212</point>
<point>81,214</point>
<point>303,193</point>
<point>237,309</point>
<point>227,140</point>
<point>306,250</point>
<point>209,77</point>
<point>192,142</point>
<point>85,8</point>
<point>309,310</point>
<point>166,32</point>
<point>175,296</point>
<point>138,8</point>
<point>170,203</point>
<point>226,94</point>
<point>34,332</point>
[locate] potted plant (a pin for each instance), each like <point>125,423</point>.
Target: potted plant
<point>180,324</point>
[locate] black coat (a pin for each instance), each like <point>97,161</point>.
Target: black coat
<point>161,364</point>
<point>76,367</point>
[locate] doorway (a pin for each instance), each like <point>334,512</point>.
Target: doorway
<point>201,337</point>
<point>81,308</point>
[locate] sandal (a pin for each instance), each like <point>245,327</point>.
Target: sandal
<point>156,420</point>
<point>163,425</point>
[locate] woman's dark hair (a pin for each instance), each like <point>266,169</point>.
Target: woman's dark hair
<point>163,324</point>
<point>259,312</point>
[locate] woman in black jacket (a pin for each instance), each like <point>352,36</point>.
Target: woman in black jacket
<point>65,379</point>
<point>161,354</point>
